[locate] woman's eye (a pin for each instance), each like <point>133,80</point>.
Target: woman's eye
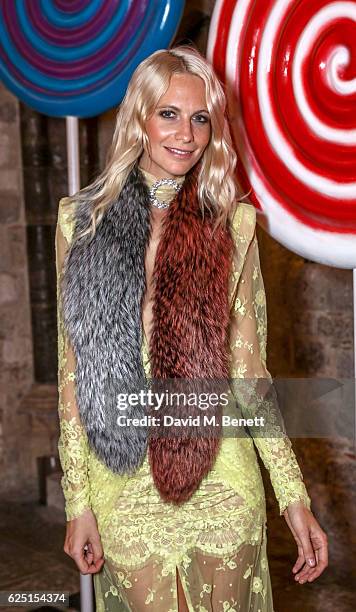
<point>201,119</point>
<point>170,114</point>
<point>167,114</point>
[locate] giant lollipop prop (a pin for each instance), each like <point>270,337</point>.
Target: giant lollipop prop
<point>74,58</point>
<point>291,66</point>
<point>291,72</point>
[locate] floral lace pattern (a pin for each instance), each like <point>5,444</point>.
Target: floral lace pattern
<point>238,582</point>
<point>216,540</point>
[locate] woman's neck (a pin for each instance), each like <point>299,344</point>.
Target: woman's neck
<point>163,193</point>
<point>153,175</point>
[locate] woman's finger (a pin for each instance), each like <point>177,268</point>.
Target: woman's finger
<point>98,553</point>
<point>300,560</point>
<point>78,555</point>
<point>308,555</point>
<point>299,564</point>
<point>303,576</point>
<point>320,544</point>
<point>322,560</point>
<point>88,551</point>
<point>308,550</point>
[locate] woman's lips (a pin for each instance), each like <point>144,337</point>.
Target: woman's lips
<point>179,153</point>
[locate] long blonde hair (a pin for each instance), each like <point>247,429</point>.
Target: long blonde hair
<point>217,187</point>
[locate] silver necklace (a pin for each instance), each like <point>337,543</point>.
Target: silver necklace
<point>154,200</point>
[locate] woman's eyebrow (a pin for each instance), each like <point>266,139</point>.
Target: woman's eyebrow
<point>176,108</point>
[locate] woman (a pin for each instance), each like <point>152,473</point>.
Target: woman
<point>162,270</point>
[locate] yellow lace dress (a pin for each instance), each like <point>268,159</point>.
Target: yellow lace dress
<point>217,539</point>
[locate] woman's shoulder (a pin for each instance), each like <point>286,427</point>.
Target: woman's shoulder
<point>243,221</point>
<point>67,203</point>
<point>66,210</point>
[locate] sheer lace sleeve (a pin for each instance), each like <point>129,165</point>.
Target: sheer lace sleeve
<point>256,394</point>
<point>73,444</point>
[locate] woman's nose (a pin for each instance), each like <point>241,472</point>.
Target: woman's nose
<point>184,131</point>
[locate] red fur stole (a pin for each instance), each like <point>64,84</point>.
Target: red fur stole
<point>189,332</point>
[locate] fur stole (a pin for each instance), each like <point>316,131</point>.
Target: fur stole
<point>103,285</point>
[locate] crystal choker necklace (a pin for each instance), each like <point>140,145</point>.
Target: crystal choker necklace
<point>154,200</point>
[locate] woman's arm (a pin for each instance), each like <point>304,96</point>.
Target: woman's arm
<point>82,541</point>
<point>257,397</point>
<point>73,444</point>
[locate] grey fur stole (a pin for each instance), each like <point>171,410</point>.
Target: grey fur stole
<point>102,287</point>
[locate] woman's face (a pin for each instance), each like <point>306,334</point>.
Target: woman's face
<point>179,129</point>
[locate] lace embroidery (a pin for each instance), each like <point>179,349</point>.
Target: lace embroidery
<point>73,445</point>
<point>248,339</point>
<point>209,584</point>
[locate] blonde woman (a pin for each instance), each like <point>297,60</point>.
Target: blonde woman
<point>159,276</point>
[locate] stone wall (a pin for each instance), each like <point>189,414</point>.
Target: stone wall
<point>33,177</point>
<point>16,363</point>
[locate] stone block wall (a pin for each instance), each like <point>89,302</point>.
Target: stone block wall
<point>16,362</point>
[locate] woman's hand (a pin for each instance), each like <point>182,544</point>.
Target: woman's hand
<point>83,544</point>
<point>311,541</point>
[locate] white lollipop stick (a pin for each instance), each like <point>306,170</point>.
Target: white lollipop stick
<point>72,128</point>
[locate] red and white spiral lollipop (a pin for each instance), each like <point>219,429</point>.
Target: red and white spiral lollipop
<point>291,68</point>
